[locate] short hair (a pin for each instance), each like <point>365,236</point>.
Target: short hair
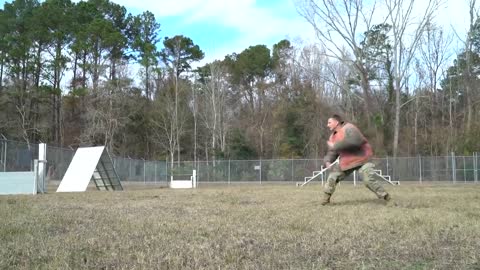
<point>338,118</point>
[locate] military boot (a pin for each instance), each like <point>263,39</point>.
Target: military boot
<point>326,199</point>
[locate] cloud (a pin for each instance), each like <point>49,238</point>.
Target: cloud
<point>252,23</point>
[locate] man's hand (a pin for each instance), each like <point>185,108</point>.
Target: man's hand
<point>327,164</point>
<point>330,144</point>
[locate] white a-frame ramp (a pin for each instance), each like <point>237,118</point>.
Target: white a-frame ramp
<point>90,163</point>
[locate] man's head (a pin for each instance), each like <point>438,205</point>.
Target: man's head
<point>334,121</point>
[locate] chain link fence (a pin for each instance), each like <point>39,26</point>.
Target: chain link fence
<point>135,170</point>
<point>17,156</point>
<point>20,156</point>
<point>58,160</point>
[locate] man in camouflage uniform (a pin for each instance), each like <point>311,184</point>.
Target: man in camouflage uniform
<point>354,152</point>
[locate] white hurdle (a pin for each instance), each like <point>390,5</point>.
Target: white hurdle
<point>316,174</point>
<point>192,183</point>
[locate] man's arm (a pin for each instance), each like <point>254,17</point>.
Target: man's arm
<point>352,139</point>
<point>330,157</point>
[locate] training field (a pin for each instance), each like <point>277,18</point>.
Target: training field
<point>244,227</point>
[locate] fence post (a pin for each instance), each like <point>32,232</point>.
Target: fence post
<point>197,174</point>
<point>420,167</point>
<point>475,173</point>
<point>388,170</point>
<point>42,160</point>
<point>454,173</point>
<point>260,171</point>
<point>35,176</point>
<point>155,172</point>
<point>293,178</point>
<point>447,165</point>
<point>229,168</point>
<point>355,178</point>
<point>5,154</point>
<point>144,171</point>
<point>129,168</point>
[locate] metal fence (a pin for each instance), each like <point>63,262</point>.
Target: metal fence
<point>450,168</point>
<point>145,171</point>
<point>58,160</point>
<point>18,156</point>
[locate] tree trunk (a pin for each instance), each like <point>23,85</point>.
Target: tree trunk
<point>450,122</point>
<point>177,137</point>
<point>387,123</point>
<point>416,128</point>
<point>84,70</point>
<point>469,80</point>
<point>396,130</point>
<point>96,63</point>
<point>223,135</point>
<point>113,71</point>
<point>172,158</point>
<point>194,126</point>
<point>365,84</point>
<point>75,66</point>
<point>56,118</point>
<point>147,81</point>
<point>2,63</point>
<point>469,114</point>
<point>34,107</point>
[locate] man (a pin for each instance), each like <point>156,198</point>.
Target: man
<point>354,152</point>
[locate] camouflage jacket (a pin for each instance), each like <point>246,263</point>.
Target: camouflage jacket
<point>350,146</point>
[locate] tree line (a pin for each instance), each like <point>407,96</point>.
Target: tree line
<point>68,78</point>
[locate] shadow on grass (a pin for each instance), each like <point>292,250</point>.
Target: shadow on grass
<point>347,202</point>
<point>392,203</point>
<point>359,202</point>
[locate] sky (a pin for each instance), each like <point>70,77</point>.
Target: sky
<point>221,27</point>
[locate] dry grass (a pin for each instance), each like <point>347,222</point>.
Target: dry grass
<point>243,227</point>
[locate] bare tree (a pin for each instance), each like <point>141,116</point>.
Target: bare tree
<point>164,121</point>
<point>213,106</point>
<point>468,72</point>
<point>434,47</point>
<point>170,113</point>
<point>310,63</point>
<point>338,23</point>
<point>434,52</point>
<point>104,118</point>
<point>406,35</point>
<point>178,54</point>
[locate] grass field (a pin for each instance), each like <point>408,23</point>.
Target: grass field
<point>243,227</point>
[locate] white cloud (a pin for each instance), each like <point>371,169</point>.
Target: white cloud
<point>268,34</point>
<point>260,25</point>
<point>254,25</point>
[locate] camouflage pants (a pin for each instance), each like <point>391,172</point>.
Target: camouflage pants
<point>369,178</point>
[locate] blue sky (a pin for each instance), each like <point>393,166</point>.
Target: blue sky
<point>221,27</point>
